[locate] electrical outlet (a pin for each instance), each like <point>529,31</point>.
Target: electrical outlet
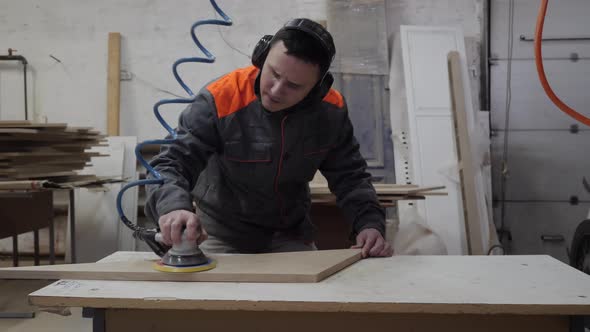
<point>126,75</point>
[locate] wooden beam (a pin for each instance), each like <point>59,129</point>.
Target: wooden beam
<point>113,84</point>
<point>467,172</point>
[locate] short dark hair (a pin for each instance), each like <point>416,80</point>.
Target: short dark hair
<point>305,47</point>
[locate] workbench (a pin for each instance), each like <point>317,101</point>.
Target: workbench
<point>401,293</point>
<point>23,211</point>
<point>27,211</point>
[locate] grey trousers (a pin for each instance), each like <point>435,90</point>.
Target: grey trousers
<point>215,245</point>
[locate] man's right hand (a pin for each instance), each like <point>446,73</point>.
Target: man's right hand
<point>173,223</point>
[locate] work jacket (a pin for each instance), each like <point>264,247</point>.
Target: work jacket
<point>248,169</point>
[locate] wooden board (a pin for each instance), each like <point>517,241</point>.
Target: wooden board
<point>30,124</point>
<point>476,221</point>
<point>387,194</point>
<point>29,150</point>
<point>489,285</point>
<point>18,131</point>
<point>36,175</point>
<point>113,83</point>
<point>60,182</point>
<point>383,189</point>
<point>306,266</point>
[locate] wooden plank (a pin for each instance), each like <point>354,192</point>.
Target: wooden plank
<point>385,200</point>
<point>382,189</point>
<point>31,169</point>
<point>113,83</point>
<point>424,189</point>
<point>306,266</point>
<point>387,194</point>
<point>14,123</point>
<point>30,124</point>
<point>62,182</point>
<point>18,131</point>
<point>475,220</point>
<point>22,185</point>
<point>43,161</point>
<point>46,154</point>
<point>38,175</point>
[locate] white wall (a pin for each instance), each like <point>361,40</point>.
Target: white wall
<point>154,35</point>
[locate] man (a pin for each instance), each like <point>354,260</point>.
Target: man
<point>249,145</point>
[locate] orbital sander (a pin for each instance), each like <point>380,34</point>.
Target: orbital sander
<point>183,257</point>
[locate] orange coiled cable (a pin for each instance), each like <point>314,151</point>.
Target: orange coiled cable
<point>541,71</point>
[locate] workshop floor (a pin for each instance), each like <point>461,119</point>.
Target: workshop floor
<point>13,299</point>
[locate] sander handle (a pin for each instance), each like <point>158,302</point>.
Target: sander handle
<point>154,240</point>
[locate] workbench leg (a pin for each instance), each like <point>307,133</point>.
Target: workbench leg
<point>72,227</point>
<point>577,324</point>
<point>36,244</point>
<point>15,250</point>
<point>98,318</point>
<point>51,242</point>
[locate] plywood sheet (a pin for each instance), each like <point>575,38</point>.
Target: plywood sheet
<point>22,141</point>
<point>472,189</point>
<point>29,124</point>
<point>307,266</point>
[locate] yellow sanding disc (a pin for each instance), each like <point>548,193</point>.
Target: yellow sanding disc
<point>159,266</point>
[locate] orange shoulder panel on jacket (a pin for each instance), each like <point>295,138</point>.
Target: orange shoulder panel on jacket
<point>334,97</point>
<point>234,91</point>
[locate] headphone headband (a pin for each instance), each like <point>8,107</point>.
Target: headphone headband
<point>313,29</point>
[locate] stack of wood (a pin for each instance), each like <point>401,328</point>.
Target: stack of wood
<point>388,194</point>
<point>45,151</point>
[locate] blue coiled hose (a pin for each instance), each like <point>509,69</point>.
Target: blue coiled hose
<point>140,232</point>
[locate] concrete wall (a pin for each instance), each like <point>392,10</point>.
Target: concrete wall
<point>154,35</point>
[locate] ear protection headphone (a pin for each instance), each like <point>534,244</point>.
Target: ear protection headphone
<point>313,29</point>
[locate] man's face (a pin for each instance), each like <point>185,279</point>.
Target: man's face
<point>285,79</point>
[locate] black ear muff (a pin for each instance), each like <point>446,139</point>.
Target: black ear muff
<point>320,90</point>
<point>261,51</point>
<point>325,85</point>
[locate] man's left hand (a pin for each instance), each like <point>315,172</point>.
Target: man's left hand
<point>372,244</point>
